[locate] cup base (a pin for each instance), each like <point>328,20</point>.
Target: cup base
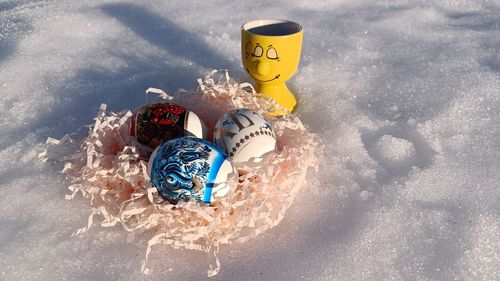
<point>281,94</point>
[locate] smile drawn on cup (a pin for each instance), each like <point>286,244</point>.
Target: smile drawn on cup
<point>275,77</point>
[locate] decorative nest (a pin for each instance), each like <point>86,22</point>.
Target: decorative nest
<point>109,169</point>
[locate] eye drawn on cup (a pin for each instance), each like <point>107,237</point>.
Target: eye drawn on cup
<point>271,51</point>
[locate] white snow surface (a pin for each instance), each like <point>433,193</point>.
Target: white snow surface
<point>404,94</point>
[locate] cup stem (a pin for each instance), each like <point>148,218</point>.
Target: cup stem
<point>279,92</point>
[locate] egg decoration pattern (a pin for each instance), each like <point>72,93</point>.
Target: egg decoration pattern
<point>191,168</point>
<point>245,135</point>
<point>160,122</point>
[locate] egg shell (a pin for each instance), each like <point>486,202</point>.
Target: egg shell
<point>191,168</point>
<point>245,136</point>
<point>159,122</point>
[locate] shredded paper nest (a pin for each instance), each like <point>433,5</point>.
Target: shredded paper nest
<point>109,169</point>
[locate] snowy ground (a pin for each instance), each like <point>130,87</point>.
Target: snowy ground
<point>405,95</point>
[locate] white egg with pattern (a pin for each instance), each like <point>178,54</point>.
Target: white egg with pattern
<point>245,135</point>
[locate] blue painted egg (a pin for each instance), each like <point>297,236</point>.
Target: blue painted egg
<point>191,168</point>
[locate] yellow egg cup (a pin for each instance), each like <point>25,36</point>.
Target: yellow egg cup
<point>270,51</point>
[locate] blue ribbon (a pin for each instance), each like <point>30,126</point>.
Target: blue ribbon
<point>212,175</point>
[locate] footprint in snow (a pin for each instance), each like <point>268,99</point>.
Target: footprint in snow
<point>397,149</point>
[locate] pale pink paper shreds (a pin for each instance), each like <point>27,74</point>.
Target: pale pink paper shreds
<point>109,169</point>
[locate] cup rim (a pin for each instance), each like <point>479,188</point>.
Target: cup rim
<point>262,22</point>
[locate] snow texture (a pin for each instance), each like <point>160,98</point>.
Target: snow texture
<point>404,94</point>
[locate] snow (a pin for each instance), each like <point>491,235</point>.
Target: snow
<point>404,94</point>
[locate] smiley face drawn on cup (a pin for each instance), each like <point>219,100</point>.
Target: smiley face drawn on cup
<point>262,65</point>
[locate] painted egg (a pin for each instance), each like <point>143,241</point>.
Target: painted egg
<point>156,123</point>
<point>245,136</point>
<point>191,168</point>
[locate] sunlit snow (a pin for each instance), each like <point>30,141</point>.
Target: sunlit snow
<point>405,95</point>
